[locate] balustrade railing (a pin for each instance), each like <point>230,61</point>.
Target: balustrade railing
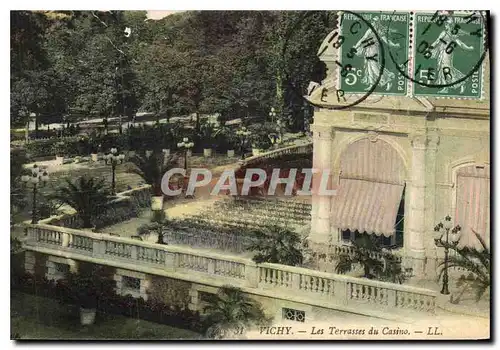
<point>311,286</point>
<point>295,149</point>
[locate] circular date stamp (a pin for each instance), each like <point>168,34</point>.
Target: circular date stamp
<point>360,61</point>
<point>448,50</point>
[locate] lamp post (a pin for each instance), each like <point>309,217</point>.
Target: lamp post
<point>443,230</point>
<point>38,177</point>
<point>113,158</point>
<point>272,114</point>
<point>186,145</point>
<point>243,134</point>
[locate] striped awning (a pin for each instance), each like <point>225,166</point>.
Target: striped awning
<point>472,210</point>
<point>366,206</point>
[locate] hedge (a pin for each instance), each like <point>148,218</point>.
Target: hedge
<point>71,146</point>
<point>112,303</point>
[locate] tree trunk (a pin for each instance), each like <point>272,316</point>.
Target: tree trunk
<point>366,269</point>
<point>27,131</point>
<point>197,118</point>
<point>36,125</point>
<point>87,222</point>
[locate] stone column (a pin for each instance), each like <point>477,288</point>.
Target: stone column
<point>322,159</point>
<point>416,217</point>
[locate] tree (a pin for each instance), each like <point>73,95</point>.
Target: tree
<point>87,195</point>
<point>152,169</point>
<point>377,263</point>
<point>477,261</point>
<point>230,311</point>
<point>87,288</point>
<point>277,245</point>
<point>158,223</point>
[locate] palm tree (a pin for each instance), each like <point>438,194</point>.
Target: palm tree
<point>151,169</point>
<point>277,245</point>
<point>377,262</point>
<point>88,196</point>
<point>230,312</point>
<point>158,222</point>
<point>477,261</point>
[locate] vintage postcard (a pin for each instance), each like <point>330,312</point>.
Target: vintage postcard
<point>271,175</point>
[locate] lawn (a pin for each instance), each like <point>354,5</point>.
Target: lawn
<point>35,317</point>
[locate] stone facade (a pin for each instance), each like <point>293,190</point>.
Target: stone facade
<point>433,138</point>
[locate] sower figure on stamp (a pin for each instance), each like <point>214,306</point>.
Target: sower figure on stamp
<point>370,50</point>
<point>443,48</point>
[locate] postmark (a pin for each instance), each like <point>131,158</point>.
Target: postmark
<point>447,54</point>
<point>343,39</point>
<point>364,53</point>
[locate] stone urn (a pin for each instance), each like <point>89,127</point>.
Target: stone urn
<point>87,316</point>
<point>230,153</point>
<point>207,152</point>
<point>94,157</point>
<point>157,202</point>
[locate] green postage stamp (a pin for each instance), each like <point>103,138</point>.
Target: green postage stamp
<point>361,63</point>
<point>448,53</point>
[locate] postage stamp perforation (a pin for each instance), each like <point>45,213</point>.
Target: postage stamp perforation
<point>411,31</point>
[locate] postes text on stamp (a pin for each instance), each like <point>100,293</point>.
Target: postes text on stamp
<point>449,49</point>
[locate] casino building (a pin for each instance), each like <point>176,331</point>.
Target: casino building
<point>401,165</point>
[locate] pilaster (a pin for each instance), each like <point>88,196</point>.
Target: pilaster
<point>424,147</point>
<point>323,136</point>
<point>430,203</point>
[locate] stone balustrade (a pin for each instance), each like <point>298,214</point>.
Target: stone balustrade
<point>204,267</point>
<point>348,249</point>
<point>295,149</point>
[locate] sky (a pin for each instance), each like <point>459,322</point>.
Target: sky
<point>159,14</point>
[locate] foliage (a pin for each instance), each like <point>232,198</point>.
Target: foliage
<point>111,303</point>
<point>87,195</point>
<point>168,290</point>
<point>17,191</point>
<point>228,138</point>
<point>277,245</point>
<point>231,309</point>
<point>152,169</point>
<point>59,148</point>
<point>235,63</point>
<point>47,207</point>
<point>208,133</point>
<point>88,287</point>
<point>377,262</point>
<point>157,225</point>
<point>260,135</point>
<point>43,148</point>
<point>476,261</point>
<point>15,245</point>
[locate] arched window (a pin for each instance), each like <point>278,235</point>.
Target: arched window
<point>370,197</point>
